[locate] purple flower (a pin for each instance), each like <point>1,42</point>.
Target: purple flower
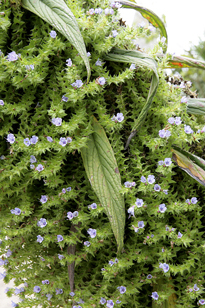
<point>63,190</point>
<point>122,289</point>
<point>75,214</point>
<point>115,5</point>
<point>196,288</point>
<point>110,304</point>
<point>98,11</point>
<point>59,238</point>
<point>179,235</point>
<point>118,302</point>
<point>49,296</point>
<point>70,215</point>
<point>164,133</point>
<point>77,84</point>
<point>57,121</point>
<point>53,34</point>
<point>27,142</point>
<point>128,184</point>
<point>151,179</point>
<point>162,208</point>
<point>167,161</point>
<point>114,118</point>
<point>37,289</point>
<point>92,206</point>
<point>43,199</point>
<point>157,187</point>
<point>98,62</point>
<point>88,54</point>
<point>102,301</point>
<point>16,211</point>
<point>63,141</point>
<point>188,129</point>
<point>120,117</point>
<point>152,235</point>
<point>114,33</point>
<point>131,211</point>
<point>69,63</point>
<point>202,302</point>
<point>34,139</point>
<point>33,159</point>
<point>59,291</point>
<point>60,257</point>
<point>194,200</point>
<point>10,138</point>
<point>188,201</point>
<point>39,168</point>
<point>69,140</point>
<point>101,81</point>
<point>3,275</point>
<point>12,56</point>
<point>165,191</point>
<point>87,243</point>
<point>1,102</point>
<point>143,179</point>
<point>49,139</point>
<point>92,232</point>
<point>171,120</point>
<point>14,304</point>
<point>164,266</point>
<point>42,223</point>
<point>160,162</point>
<point>155,295</point>
<point>91,12</point>
<point>141,224</point>
<point>9,253</point>
<point>64,98</point>
<point>184,99</point>
<point>45,281</point>
<point>109,11</point>
<point>139,202</point>
<point>132,67</point>
<point>149,276</point>
<point>178,121</point>
<point>2,262</point>
<point>72,294</point>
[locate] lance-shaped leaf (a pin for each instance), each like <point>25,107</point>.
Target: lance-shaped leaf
<point>59,16</point>
<point>196,106</point>
<point>180,62</point>
<point>141,59</point>
<point>192,164</point>
<point>149,15</point>
<point>102,171</point>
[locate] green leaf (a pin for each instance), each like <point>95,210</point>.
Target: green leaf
<point>141,59</point>
<point>59,16</point>
<point>102,171</point>
<point>196,106</point>
<point>192,164</point>
<point>149,15</point>
<point>181,62</point>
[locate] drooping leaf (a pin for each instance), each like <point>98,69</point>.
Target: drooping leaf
<point>180,62</point>
<point>149,15</point>
<point>141,59</point>
<point>102,171</point>
<point>60,17</point>
<point>196,106</point>
<point>192,164</point>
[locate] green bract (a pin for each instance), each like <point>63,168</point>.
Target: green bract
<point>60,131</point>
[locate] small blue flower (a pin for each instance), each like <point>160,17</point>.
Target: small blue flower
<point>179,235</point>
<point>43,199</point>
<point>120,117</point>
<point>109,11</point>
<point>149,276</point>
<point>77,84</point>
<point>202,302</point>
<point>69,62</point>
<point>151,179</point>
<point>122,289</point>
<point>53,34</point>
<point>10,138</point>
<point>87,243</point>
<point>63,190</point>
<point>157,187</point>
<point>9,253</point>
<point>167,162</point>
<point>164,266</point>
<point>49,296</point>
<point>64,98</point>
<point>12,56</point>
<point>69,140</point>
<point>114,33</point>
<point>155,295</point>
<point>68,188</point>
<point>60,257</point>
<point>57,121</point>
<point>45,281</point>
<point>131,211</point>
<point>59,291</point>
<point>72,294</point>
<point>39,168</point>
<point>70,215</point>
<point>42,223</point>
<point>139,202</point>
<point>194,200</point>
<point>132,67</point>
<point>111,263</point>
<point>143,179</point>
<point>141,224</point>
<point>101,81</point>
<point>16,211</point>
<point>118,302</point>
<point>13,304</point>
<point>165,191</point>
<point>110,304</point>
<point>188,129</point>
<point>33,159</point>
<point>63,141</point>
<point>98,11</point>
<point>27,142</point>
<point>92,206</point>
<point>162,208</point>
<point>161,163</point>
<point>75,214</point>
<point>1,102</point>
<point>98,62</point>
<point>103,301</point>
<point>59,238</point>
<point>178,121</point>
<point>36,289</point>
<point>92,232</point>
<point>196,288</point>
<point>3,275</point>
<point>49,139</point>
<point>171,120</point>
<point>88,54</point>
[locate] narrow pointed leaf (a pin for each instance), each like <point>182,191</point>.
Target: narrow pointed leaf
<point>181,62</point>
<point>59,16</point>
<point>149,15</point>
<point>102,171</point>
<point>196,106</point>
<point>192,164</point>
<point>144,60</point>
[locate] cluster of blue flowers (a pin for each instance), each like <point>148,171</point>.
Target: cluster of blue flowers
<point>71,215</point>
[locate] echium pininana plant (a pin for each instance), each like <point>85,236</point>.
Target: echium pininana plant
<point>56,237</point>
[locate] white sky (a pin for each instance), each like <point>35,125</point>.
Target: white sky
<point>185,21</point>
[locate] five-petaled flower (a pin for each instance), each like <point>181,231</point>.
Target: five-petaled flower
<point>92,232</point>
<point>36,289</point>
<point>59,291</point>
<point>42,222</point>
<point>10,138</point>
<point>12,56</point>
<point>164,266</point>
<point>43,199</point>
<point>40,239</point>
<point>162,208</point>
<point>39,168</point>
<point>139,202</point>
<point>53,34</point>
<point>155,295</point>
<point>77,84</point>
<point>16,211</point>
<point>59,238</point>
<point>1,102</point>
<point>122,289</point>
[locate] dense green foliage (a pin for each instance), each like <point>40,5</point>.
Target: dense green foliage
<point>32,98</point>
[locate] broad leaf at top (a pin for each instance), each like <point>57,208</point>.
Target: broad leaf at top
<point>149,15</point>
<point>59,16</point>
<point>192,164</point>
<point>102,171</point>
<point>141,59</point>
<point>196,106</point>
